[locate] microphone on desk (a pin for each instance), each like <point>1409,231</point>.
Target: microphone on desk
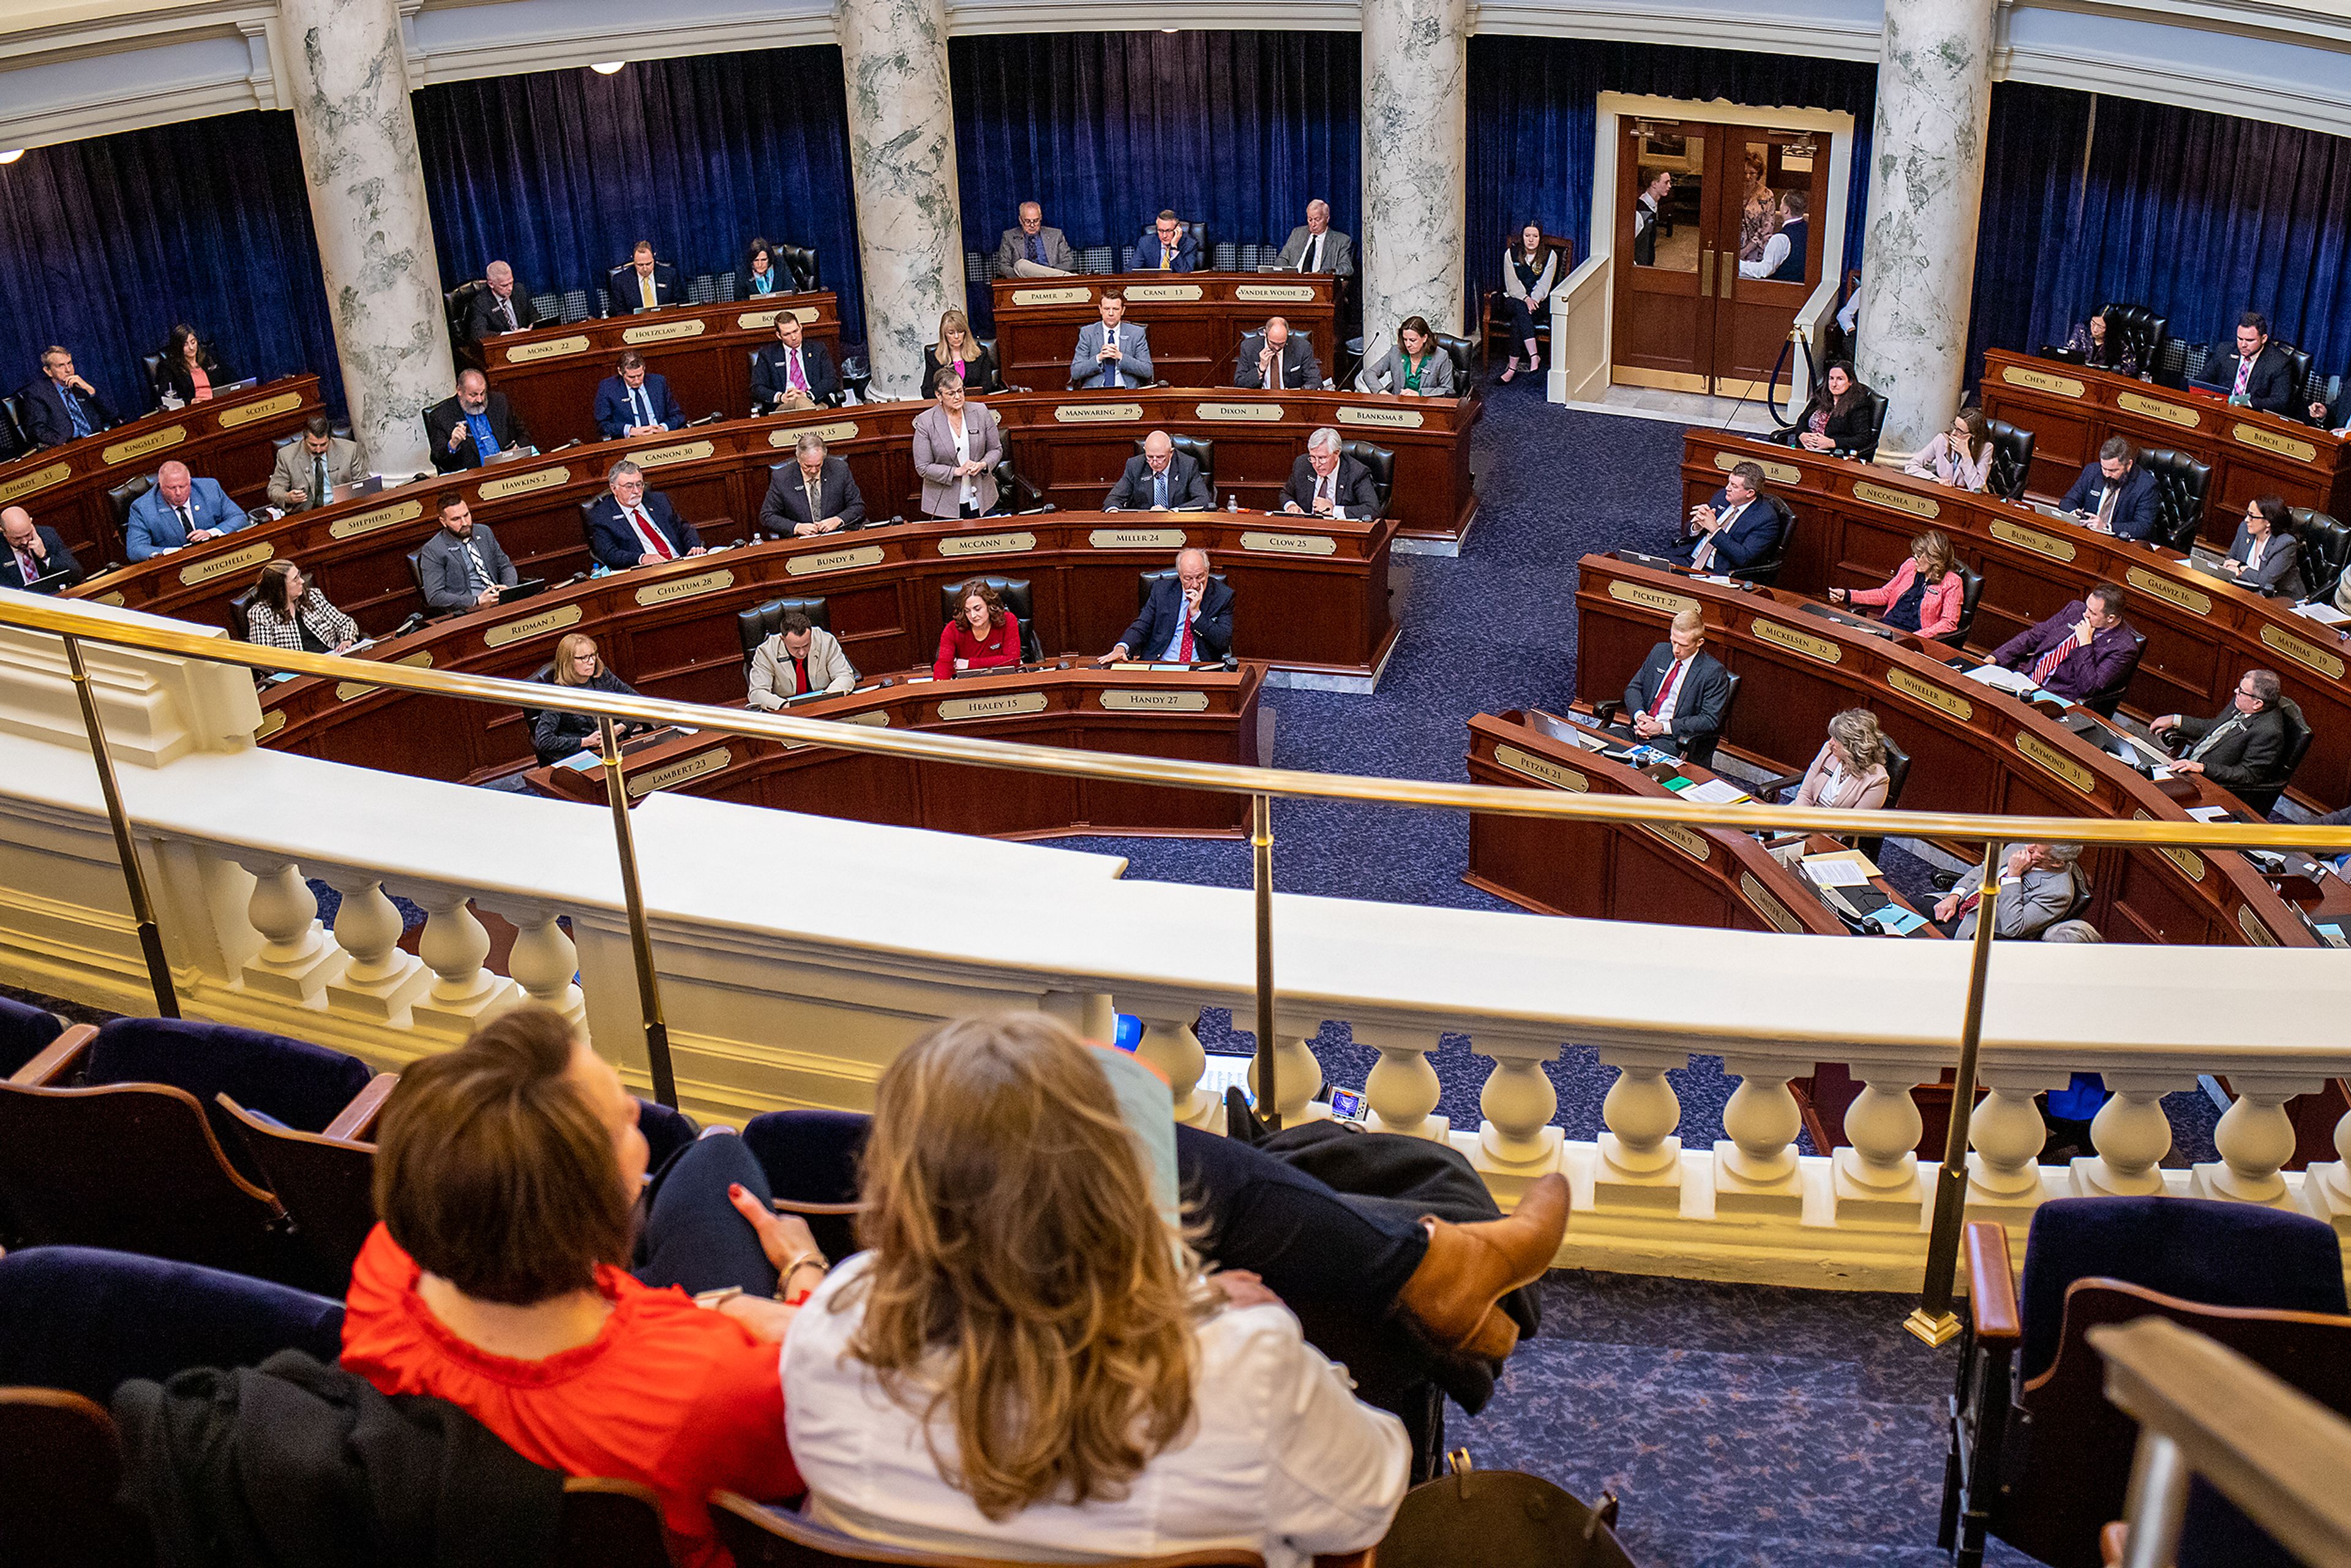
<point>410,624</point>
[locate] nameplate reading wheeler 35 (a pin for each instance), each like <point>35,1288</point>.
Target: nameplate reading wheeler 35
<point>751,320</point>
<point>1681,838</point>
<point>523,483</point>
<point>1162,293</point>
<point>216,566</point>
<point>1078,295</point>
<point>839,430</point>
<point>1797,641</point>
<point>1290,544</point>
<point>1649,598</point>
<point>2308,654</point>
<point>1933,695</point>
<point>685,587</point>
<point>669,774</point>
<point>833,561</point>
<point>1254,413</point>
<point>1270,292</point>
<point>664,331</point>
<point>1761,901</point>
<point>1387,418</point>
<point>2170,592</point>
<point>2050,760</point>
<point>1097,413</point>
<point>38,479</point>
<point>552,349</point>
<point>1778,473</point>
<point>1557,775</point>
<point>2042,380</point>
<point>2259,934</point>
<point>360,523</point>
<point>2156,408</point>
<point>538,625</point>
<point>992,708</point>
<point>244,414</point>
<point>1900,500</point>
<point>2271,441</point>
<point>986,544</point>
<point>1156,702</point>
<point>2032,539</point>
<point>676,452</point>
<point>1136,538</point>
<point>140,446</point>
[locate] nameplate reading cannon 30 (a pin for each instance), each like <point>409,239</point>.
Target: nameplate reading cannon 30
<point>676,452</point>
<point>244,414</point>
<point>1006,705</point>
<point>538,625</point>
<point>222,565</point>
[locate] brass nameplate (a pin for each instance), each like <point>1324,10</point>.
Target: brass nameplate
<point>140,446</point>
<point>1682,839</point>
<point>210,567</point>
<point>2156,408</point>
<point>839,430</point>
<point>679,452</point>
<point>2170,592</point>
<point>2186,861</point>
<point>1803,642</point>
<point>686,587</point>
<point>1255,413</point>
<point>1391,418</point>
<point>1161,293</point>
<point>271,723</point>
<point>551,349</point>
<point>2052,760</point>
<point>1933,695</point>
<point>714,760</point>
<point>1077,295</point>
<point>1004,705</point>
<point>346,691</point>
<point>1097,413</point>
<point>38,479</point>
<point>1290,544</point>
<point>1555,774</point>
<point>2259,934</point>
<point>261,408</point>
<point>1156,702</point>
<point>833,561</point>
<point>360,523</point>
<point>1649,598</point>
<point>1291,293</point>
<point>2301,652</point>
<point>2271,441</point>
<point>1769,907</point>
<point>664,331</point>
<point>114,598</point>
<point>1778,473</point>
<point>2032,539</point>
<point>537,625</point>
<point>1900,500</point>
<point>523,483</point>
<point>751,320</point>
<point>986,544</point>
<point>2042,380</point>
<point>873,718</point>
<point>1136,538</point>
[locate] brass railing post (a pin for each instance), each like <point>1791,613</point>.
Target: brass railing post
<point>142,908</point>
<point>1262,843</point>
<point>641,937</point>
<point>1934,1321</point>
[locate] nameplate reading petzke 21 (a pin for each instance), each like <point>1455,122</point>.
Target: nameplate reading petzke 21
<point>685,587</point>
<point>833,561</point>
<point>260,408</point>
<point>552,349</point>
<point>538,625</point>
<point>986,544</point>
<point>1541,767</point>
<point>140,446</point>
<point>210,567</point>
<point>992,708</point>
<point>523,483</point>
<point>713,760</point>
<point>665,331</point>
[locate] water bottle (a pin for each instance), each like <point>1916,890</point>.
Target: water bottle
<point>1232,502</point>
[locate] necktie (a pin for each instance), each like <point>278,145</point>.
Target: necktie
<point>2046,665</point>
<point>1322,490</point>
<point>474,560</point>
<point>1184,652</point>
<point>2107,499</point>
<point>1159,487</point>
<point>1110,367</point>
<point>74,411</point>
<point>27,568</point>
<point>638,401</point>
<point>1662,709</point>
<point>1968,904</point>
<point>320,489</point>
<point>656,543</point>
<point>505,312</point>
<point>1037,248</point>
<point>800,675</point>
<point>645,286</point>
<point>1277,369</point>
<point>2244,375</point>
<point>799,378</point>
<point>1166,257</point>
<point>187,526</point>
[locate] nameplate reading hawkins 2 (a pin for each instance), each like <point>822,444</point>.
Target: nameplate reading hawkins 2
<point>2156,408</point>
<point>1392,418</point>
<point>986,544</point>
<point>553,348</point>
<point>352,527</point>
<point>1290,544</point>
<point>2032,539</point>
<point>39,479</point>
<point>677,451</point>
<point>1900,500</point>
<point>833,561</point>
<point>1002,706</point>
<point>222,565</point>
<point>523,483</point>
<point>260,408</point>
<point>686,587</point>
<point>839,430</point>
<point>665,331</point>
<point>1136,538</point>
<point>1096,413</point>
<point>140,446</point>
<point>538,625</point>
<point>1156,702</point>
<point>1542,767</point>
<point>2042,380</point>
<point>2271,441</point>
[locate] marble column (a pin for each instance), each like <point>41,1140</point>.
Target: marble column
<point>1926,191</point>
<point>902,157</point>
<point>346,80</point>
<point>1416,128</point>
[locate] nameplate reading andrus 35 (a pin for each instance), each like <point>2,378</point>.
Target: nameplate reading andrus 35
<point>360,523</point>
<point>1010,703</point>
<point>537,625</point>
<point>523,483</point>
<point>222,565</point>
<point>665,331</point>
<point>1156,702</point>
<point>244,414</point>
<point>833,561</point>
<point>1290,544</point>
<point>552,349</point>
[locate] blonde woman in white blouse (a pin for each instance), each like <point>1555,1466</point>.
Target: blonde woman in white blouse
<point>1961,456</point>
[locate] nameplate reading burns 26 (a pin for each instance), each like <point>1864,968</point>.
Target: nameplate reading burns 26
<point>222,565</point>
<point>664,331</point>
<point>553,348</point>
<point>1097,413</point>
<point>523,483</point>
<point>2032,539</point>
<point>538,625</point>
<point>260,408</point>
<point>140,446</point>
<point>1010,703</point>
<point>839,430</point>
<point>833,561</point>
<point>686,587</point>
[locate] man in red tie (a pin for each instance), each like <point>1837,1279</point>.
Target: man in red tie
<point>1679,697</point>
<point>800,658</point>
<point>2080,651</point>
<point>1187,618</point>
<point>631,525</point>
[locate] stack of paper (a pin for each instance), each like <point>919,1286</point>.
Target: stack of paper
<point>1846,868</point>
<point>1718,793</point>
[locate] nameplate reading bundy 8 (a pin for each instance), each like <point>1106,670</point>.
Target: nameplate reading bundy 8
<point>360,523</point>
<point>1289,544</point>
<point>2047,757</point>
<point>244,414</point>
<point>2042,380</point>
<point>537,625</point>
<point>523,483</point>
<point>1900,500</point>
<point>833,561</point>
<point>676,452</point>
<point>210,567</point>
<point>1770,908</point>
<point>2305,653</point>
<point>140,446</point>
<point>38,479</point>
<point>686,587</point>
<point>2156,408</point>
<point>2271,441</point>
<point>1778,473</point>
<point>986,544</point>
<point>1136,538</point>
<point>2170,592</point>
<point>1933,695</point>
<point>1077,295</point>
<point>717,759</point>
<point>839,430</point>
<point>1797,641</point>
<point>1003,707</point>
<point>1162,293</point>
<point>1124,701</point>
<point>1557,775</point>
<point>1097,413</point>
<point>1291,293</point>
<point>1255,413</point>
<point>1389,418</point>
<point>1649,598</point>
<point>552,349</point>
<point>664,331</point>
<point>2032,539</point>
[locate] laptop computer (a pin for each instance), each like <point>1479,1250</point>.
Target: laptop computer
<point>54,581</point>
<point>2220,390</point>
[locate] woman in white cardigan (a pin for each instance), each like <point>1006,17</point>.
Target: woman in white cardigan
<point>1529,272</point>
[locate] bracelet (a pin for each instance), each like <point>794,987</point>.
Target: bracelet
<point>805,1260</point>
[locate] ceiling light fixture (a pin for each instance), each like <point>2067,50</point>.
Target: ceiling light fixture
<point>11,154</point>
<point>609,68</point>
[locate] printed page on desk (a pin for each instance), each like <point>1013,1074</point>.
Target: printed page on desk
<point>2008,681</point>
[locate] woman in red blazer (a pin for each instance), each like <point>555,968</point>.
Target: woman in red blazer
<point>1924,595</point>
<point>983,634</point>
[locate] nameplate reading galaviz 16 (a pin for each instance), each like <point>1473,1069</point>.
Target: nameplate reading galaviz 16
<point>2170,592</point>
<point>360,523</point>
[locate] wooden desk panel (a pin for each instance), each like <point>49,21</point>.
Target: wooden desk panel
<point>1196,320</point>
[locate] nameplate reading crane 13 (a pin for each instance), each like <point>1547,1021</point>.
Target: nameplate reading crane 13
<point>1900,500</point>
<point>1097,413</point>
<point>986,544</point>
<point>1252,413</point>
<point>833,561</point>
<point>1797,641</point>
<point>216,566</point>
<point>1290,544</point>
<point>140,446</point>
<point>1386,418</point>
<point>839,430</point>
<point>1156,702</point>
<point>1552,773</point>
<point>2156,408</point>
<point>38,479</point>
<point>714,760</point>
<point>2050,760</point>
<point>676,452</point>
<point>244,414</point>
<point>1933,695</point>
<point>1162,293</point>
<point>1651,598</point>
<point>686,587</point>
<point>538,625</point>
<point>2042,380</point>
<point>2271,441</point>
<point>2170,592</point>
<point>360,523</point>
<point>1769,907</point>
<point>523,483</point>
<point>1006,705</point>
<point>2032,539</point>
<point>1136,538</point>
<point>552,349</point>
<point>664,331</point>
<point>1778,473</point>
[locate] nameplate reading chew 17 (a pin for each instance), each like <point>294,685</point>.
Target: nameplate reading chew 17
<point>833,561</point>
<point>2053,760</point>
<point>676,452</point>
<point>1552,773</point>
<point>1136,538</point>
<point>1256,413</point>
<point>1803,642</point>
<point>669,774</point>
<point>38,479</point>
<point>523,483</point>
<point>1650,598</point>
<point>1290,292</point>
<point>1290,544</point>
<point>2156,408</point>
<point>1778,473</point>
<point>1096,413</point>
<point>2271,441</point>
<point>360,523</point>
<point>1900,500</point>
<point>210,567</point>
<point>685,587</point>
<point>2170,592</point>
<point>1390,418</point>
<point>1162,293</point>
<point>664,331</point>
<point>537,625</point>
<point>2042,380</point>
<point>986,544</point>
<point>1156,702</point>
<point>2032,539</point>
<point>244,414</point>
<point>1933,695</point>
<point>839,430</point>
<point>1074,295</point>
<point>140,446</point>
<point>552,349</point>
<point>1002,706</point>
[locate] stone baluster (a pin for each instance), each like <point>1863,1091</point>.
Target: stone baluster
<point>453,947</point>
<point>297,959</point>
<point>1297,1074</point>
<point>2327,1185</point>
<point>1403,1090</point>
<point>1639,1163</point>
<point>1090,1014</point>
<point>381,980</point>
<point>2131,1135</point>
<point>2255,1139</point>
<point>1756,1171</point>
<point>544,962</point>
<point>1171,1044</point>
<point>2006,1133</point>
<point>1875,1176</point>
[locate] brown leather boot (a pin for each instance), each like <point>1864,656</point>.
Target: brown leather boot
<point>1451,1296</point>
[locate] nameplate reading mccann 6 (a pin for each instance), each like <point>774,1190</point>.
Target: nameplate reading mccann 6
<point>1542,767</point>
<point>751,320</point>
<point>2301,652</point>
<point>222,565</point>
<point>553,348</point>
<point>2185,860</point>
<point>839,430</point>
<point>2042,380</point>
<point>1647,598</point>
<point>664,331</point>
<point>140,446</point>
<point>1769,907</point>
<point>523,483</point>
<point>833,561</point>
<point>992,708</point>
<point>986,544</point>
<point>1933,695</point>
<point>261,408</point>
<point>1681,838</point>
<point>1900,500</point>
<point>1156,702</point>
<point>1778,473</point>
<point>1136,538</point>
<point>38,479</point>
<point>1162,293</point>
<point>2271,441</point>
<point>1076,295</point>
<point>347,691</point>
<point>1292,292</point>
<point>271,723</point>
<point>2170,592</point>
<point>713,760</point>
<point>2052,760</point>
<point>2032,539</point>
<point>538,625</point>
<point>352,527</point>
<point>676,452</point>
<point>685,587</point>
<point>1097,413</point>
<point>2259,934</point>
<point>1254,413</point>
<point>1290,544</point>
<point>2156,408</point>
<point>1391,418</point>
<point>1803,642</point>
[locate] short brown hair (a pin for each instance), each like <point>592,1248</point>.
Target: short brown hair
<point>493,1171</point>
<point>1751,473</point>
<point>319,424</point>
<point>2119,446</point>
<point>630,359</point>
<point>448,498</point>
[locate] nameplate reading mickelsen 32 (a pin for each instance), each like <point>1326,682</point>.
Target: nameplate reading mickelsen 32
<point>686,587</point>
<point>140,446</point>
<point>664,331</point>
<point>1009,704</point>
<point>37,480</point>
<point>552,349</point>
<point>210,567</point>
<point>839,430</point>
<point>360,523</point>
<point>1388,418</point>
<point>986,544</point>
<point>1155,702</point>
<point>833,561</point>
<point>538,625</point>
<point>1803,642</point>
<point>1290,544</point>
<point>1097,413</point>
<point>523,483</point>
<point>244,414</point>
<point>676,452</point>
<point>1136,538</point>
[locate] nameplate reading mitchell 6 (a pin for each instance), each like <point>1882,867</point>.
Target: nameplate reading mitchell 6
<point>210,567</point>
<point>538,625</point>
<point>1097,413</point>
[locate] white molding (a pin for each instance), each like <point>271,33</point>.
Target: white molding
<point>1760,32</point>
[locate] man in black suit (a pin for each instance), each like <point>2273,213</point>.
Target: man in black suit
<point>62,406</point>
<point>631,525</point>
<point>1277,359</point>
<point>1330,483</point>
<point>1739,527</point>
<point>2258,375</point>
<point>2115,494</point>
<point>1676,700</point>
<point>1186,619</point>
<point>790,373</point>
<point>815,495</point>
<point>500,308</point>
<point>644,284</point>
<point>33,550</point>
<point>1161,480</point>
<point>475,427</point>
<point>2242,745</point>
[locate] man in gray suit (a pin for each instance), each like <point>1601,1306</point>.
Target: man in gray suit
<point>1315,246</point>
<point>1032,250</point>
<point>1111,354</point>
<point>462,565</point>
<point>2038,883</point>
<point>311,469</point>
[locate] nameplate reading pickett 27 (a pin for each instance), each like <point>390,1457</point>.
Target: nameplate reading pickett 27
<point>1074,295</point>
<point>1161,293</point>
<point>2042,380</point>
<point>1650,598</point>
<point>523,483</point>
<point>1290,544</point>
<point>839,430</point>
<point>140,446</point>
<point>2032,539</point>
<point>1933,695</point>
<point>1778,473</point>
<point>1763,903</point>
<point>1096,413</point>
<point>1136,538</point>
<point>244,414</point>
<point>1257,412</point>
<point>1292,292</point>
<point>2156,408</point>
<point>2271,441</point>
<point>1392,418</point>
<point>1803,642</point>
<point>992,708</point>
<point>677,451</point>
<point>833,561</point>
<point>38,479</point>
<point>1541,767</point>
<point>685,587</point>
<point>2170,592</point>
<point>664,331</point>
<point>552,349</point>
<point>986,544</point>
<point>222,565</point>
<point>2050,759</point>
<point>352,527</point>
<point>1900,500</point>
<point>538,625</point>
<point>713,760</point>
<point>1156,702</point>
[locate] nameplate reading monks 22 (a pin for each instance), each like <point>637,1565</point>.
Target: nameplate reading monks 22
<point>552,349</point>
<point>244,414</point>
<point>685,587</point>
<point>538,625</point>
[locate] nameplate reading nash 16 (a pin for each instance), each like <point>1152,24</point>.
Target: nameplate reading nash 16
<point>664,331</point>
<point>1290,544</point>
<point>1136,538</point>
<point>222,565</point>
<point>713,760</point>
<point>678,452</point>
<point>523,483</point>
<point>1778,473</point>
<point>992,708</point>
<point>1097,413</point>
<point>1077,295</point>
<point>833,561</point>
<point>685,587</point>
<point>1651,598</point>
<point>986,544</point>
<point>839,430</point>
<point>553,348</point>
<point>1257,412</point>
<point>1769,907</point>
<point>2170,592</point>
<point>1275,291</point>
<point>39,479</point>
<point>1391,418</point>
<point>1681,838</point>
<point>353,527</point>
<point>261,408</point>
<point>2047,756</point>
<point>1541,767</point>
<point>1156,702</point>
<point>140,446</point>
<point>1803,642</point>
<point>2156,408</point>
<point>1161,293</point>
<point>1900,500</point>
<point>2042,380</point>
<point>2032,539</point>
<point>538,625</point>
<point>2270,441</point>
<point>2301,652</point>
<point>1933,695</point>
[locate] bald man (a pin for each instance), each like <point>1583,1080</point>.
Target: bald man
<point>1277,358</point>
<point>180,510</point>
<point>500,308</point>
<point>1161,480</point>
<point>1189,619</point>
<point>31,552</point>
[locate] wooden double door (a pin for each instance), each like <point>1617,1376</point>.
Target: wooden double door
<point>1697,207</point>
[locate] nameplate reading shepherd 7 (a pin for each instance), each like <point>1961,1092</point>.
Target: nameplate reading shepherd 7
<point>1270,292</point>
<point>552,349</point>
<point>839,430</point>
<point>1552,773</point>
<point>1803,642</point>
<point>38,479</point>
<point>1290,544</point>
<point>1390,418</point>
<point>986,544</point>
<point>664,331</point>
<point>714,760</point>
<point>260,408</point>
<point>2305,653</point>
<point>523,483</point>
<point>2052,760</point>
<point>2042,380</point>
<point>1256,413</point>
<point>1778,473</point>
<point>1933,695</point>
<point>360,523</point>
<point>1651,598</point>
<point>2271,441</point>
<point>1156,702</point>
<point>1074,295</point>
<point>2170,592</point>
<point>685,587</point>
<point>1096,413</point>
<point>140,446</point>
<point>538,625</point>
<point>210,567</point>
<point>2032,539</point>
<point>2156,408</point>
<point>833,561</point>
<point>1136,538</point>
<point>1770,908</point>
<point>752,320</point>
<point>1900,500</point>
<point>992,708</point>
<point>677,451</point>
<point>1161,293</point>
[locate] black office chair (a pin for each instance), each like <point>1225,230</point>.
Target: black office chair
<point>2262,799</point>
<point>1970,595</point>
<point>1015,493</point>
<point>1866,449</point>
<point>1013,591</point>
<point>120,498</point>
<point>799,260</point>
<point>240,615</point>
<point>14,442</point>
<point>1381,462</point>
<point>2325,549</point>
<point>2298,360</point>
<point>2108,698</point>
<point>1203,451</point>
<point>1463,353</point>
<point>154,363</point>
<point>756,625</point>
<point>2141,328</point>
<point>1767,570</point>
<point>2011,459</point>
<point>2180,484</point>
<point>709,288</point>
<point>1145,581</point>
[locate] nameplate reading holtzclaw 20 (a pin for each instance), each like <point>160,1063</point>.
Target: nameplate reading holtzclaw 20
<point>222,565</point>
<point>352,527</point>
<point>1096,413</point>
<point>244,414</point>
<point>2042,380</point>
<point>1290,292</point>
<point>833,561</point>
<point>1290,544</point>
<point>839,430</point>
<point>986,544</point>
<point>140,446</point>
<point>523,483</point>
<point>1391,418</point>
<point>685,587</point>
<point>1162,293</point>
<point>39,479</point>
<point>1541,767</point>
<point>1136,538</point>
<point>685,768</point>
<point>538,625</point>
<point>1156,702</point>
<point>664,331</point>
<point>1009,704</point>
<point>1073,295</point>
<point>552,349</point>
<point>678,452</point>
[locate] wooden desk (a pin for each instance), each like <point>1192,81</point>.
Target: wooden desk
<point>2072,409</point>
<point>1197,320</point>
<point>1972,749</point>
<point>229,438</point>
<point>551,373</point>
<point>1853,528</point>
<point>1202,715</point>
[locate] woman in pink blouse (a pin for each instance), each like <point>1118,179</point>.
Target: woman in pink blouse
<point>1924,595</point>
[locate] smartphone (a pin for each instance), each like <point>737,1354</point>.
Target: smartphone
<point>1347,1105</point>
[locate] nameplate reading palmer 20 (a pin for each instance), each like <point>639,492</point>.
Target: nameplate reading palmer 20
<point>1076,295</point>
<point>986,544</point>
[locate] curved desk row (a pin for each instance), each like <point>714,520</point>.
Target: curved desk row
<point>1199,716</point>
<point>2072,409</point>
<point>1197,320</point>
<point>230,438</point>
<point>1853,528</point>
<point>1972,749</point>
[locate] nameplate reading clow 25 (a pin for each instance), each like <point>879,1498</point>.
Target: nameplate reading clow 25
<point>1289,544</point>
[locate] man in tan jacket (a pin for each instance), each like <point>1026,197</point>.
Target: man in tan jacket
<point>800,658</point>
<point>319,457</point>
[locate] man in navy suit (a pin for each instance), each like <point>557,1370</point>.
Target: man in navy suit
<point>2258,375</point>
<point>1186,619</point>
<point>636,401</point>
<point>1740,528</point>
<point>631,526</point>
<point>1167,247</point>
<point>1679,696</point>
<point>180,510</point>
<point>62,406</point>
<point>644,284</point>
<point>793,372</point>
<point>30,551</point>
<point>2115,494</point>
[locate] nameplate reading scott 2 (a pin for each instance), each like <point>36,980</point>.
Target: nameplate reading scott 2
<point>244,414</point>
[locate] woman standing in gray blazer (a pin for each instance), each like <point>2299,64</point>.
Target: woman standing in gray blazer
<point>1415,365</point>
<point>957,448</point>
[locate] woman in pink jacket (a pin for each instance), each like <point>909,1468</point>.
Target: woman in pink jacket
<point>1923,596</point>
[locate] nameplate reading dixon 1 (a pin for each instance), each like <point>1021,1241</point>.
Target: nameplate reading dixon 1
<point>833,561</point>
<point>2271,441</point>
<point>1258,413</point>
<point>839,430</point>
<point>1778,473</point>
<point>538,625</point>
<point>2156,408</point>
<point>2301,652</point>
<point>2041,380</point>
<point>1156,702</point>
<point>1392,418</point>
<point>523,483</point>
<point>2032,539</point>
<point>1681,838</point>
<point>986,544</point>
<point>1933,695</point>
<point>1900,500</point>
<point>353,527</point>
<point>140,446</point>
<point>1077,295</point>
<point>553,348</point>
<point>1290,544</point>
<point>1162,293</point>
<point>1803,642</point>
<point>992,708</point>
<point>685,587</point>
<point>2170,592</point>
<point>1541,767</point>
<point>222,565</point>
<point>713,760</point>
<point>1769,907</point>
<point>665,331</point>
<point>260,408</point>
<point>1096,413</point>
<point>2050,759</point>
<point>1651,598</point>
<point>678,452</point>
<point>1292,292</point>
<point>1136,538</point>
<point>39,479</point>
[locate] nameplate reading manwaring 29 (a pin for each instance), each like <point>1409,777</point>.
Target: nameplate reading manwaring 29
<point>1770,908</point>
<point>2032,539</point>
<point>1156,702</point>
<point>1778,473</point>
<point>664,331</point>
<point>222,565</point>
<point>2271,441</point>
<point>2170,592</point>
<point>38,479</point>
<point>360,523</point>
<point>1002,706</point>
<point>1291,293</point>
<point>537,625</point>
<point>677,451</point>
<point>839,430</point>
<point>523,483</point>
<point>1073,295</point>
<point>986,544</point>
<point>1542,767</point>
<point>833,561</point>
<point>1900,500</point>
<point>2052,760</point>
<point>1389,418</point>
<point>1290,544</point>
<point>261,408</point>
<point>713,760</point>
<point>2156,408</point>
<point>1096,413</point>
<point>1803,642</point>
<point>1651,598</point>
<point>686,587</point>
<point>2305,653</point>
<point>552,349</point>
<point>2042,380</point>
<point>140,446</point>
<point>1162,293</point>
<point>1136,538</point>
<point>1933,695</point>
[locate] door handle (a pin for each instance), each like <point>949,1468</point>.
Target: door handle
<point>1705,275</point>
<point>1729,270</point>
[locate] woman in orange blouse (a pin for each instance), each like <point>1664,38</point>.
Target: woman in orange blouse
<point>983,635</point>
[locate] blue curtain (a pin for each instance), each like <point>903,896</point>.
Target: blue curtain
<point>1534,112</point>
<point>105,243</point>
<point>561,172</point>
<point>2031,186</point>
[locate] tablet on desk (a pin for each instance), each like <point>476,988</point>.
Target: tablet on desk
<point>529,586</point>
<point>51,581</point>
<point>1656,562</point>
